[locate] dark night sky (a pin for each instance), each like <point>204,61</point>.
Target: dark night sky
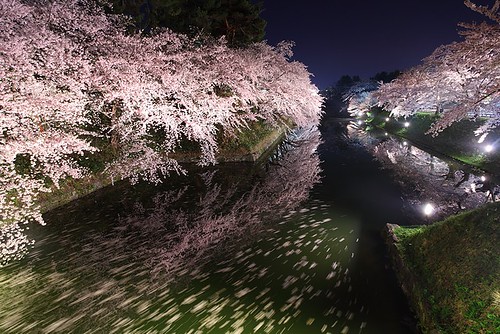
<point>337,37</point>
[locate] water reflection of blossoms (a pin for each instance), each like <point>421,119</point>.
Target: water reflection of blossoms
<point>174,238</point>
<point>116,275</point>
<point>427,179</point>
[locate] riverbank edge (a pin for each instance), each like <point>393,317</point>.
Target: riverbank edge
<point>406,277</point>
<point>408,282</point>
<point>74,189</point>
<point>417,140</point>
<point>421,145</point>
<point>449,270</point>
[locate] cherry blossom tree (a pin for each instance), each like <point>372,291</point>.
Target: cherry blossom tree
<point>459,80</point>
<point>202,87</point>
<point>44,63</point>
<point>360,98</point>
<point>69,73</point>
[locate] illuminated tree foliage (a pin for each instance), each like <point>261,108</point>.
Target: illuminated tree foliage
<point>459,80</point>
<point>70,74</point>
<point>359,98</point>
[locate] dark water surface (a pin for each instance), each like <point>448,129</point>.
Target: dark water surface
<point>289,246</point>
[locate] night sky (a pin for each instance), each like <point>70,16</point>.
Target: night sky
<point>337,37</point>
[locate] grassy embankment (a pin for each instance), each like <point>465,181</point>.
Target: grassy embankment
<point>249,144</point>
<point>452,269</point>
<point>457,141</point>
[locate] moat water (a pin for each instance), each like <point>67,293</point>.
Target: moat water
<point>288,245</point>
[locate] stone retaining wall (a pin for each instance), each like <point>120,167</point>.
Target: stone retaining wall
<point>75,189</point>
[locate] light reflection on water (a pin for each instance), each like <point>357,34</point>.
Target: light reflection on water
<point>200,257</point>
<point>450,186</point>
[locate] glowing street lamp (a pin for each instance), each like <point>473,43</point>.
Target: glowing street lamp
<point>428,209</point>
<point>491,146</point>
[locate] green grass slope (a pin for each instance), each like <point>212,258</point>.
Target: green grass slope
<point>455,266</point>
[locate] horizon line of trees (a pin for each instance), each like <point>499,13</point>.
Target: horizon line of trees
<point>336,96</point>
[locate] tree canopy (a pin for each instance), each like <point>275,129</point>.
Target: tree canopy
<point>385,76</point>
<point>238,20</point>
<point>459,80</point>
<point>71,75</point>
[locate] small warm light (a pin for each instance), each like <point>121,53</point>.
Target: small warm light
<point>483,178</point>
<point>387,119</point>
<point>407,124</point>
<point>386,134</point>
<point>428,209</point>
<point>405,143</point>
<point>488,148</point>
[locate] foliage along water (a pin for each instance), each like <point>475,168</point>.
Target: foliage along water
<point>290,246</point>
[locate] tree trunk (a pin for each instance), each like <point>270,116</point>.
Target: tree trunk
<point>115,139</point>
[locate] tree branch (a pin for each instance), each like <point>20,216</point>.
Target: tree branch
<point>492,13</point>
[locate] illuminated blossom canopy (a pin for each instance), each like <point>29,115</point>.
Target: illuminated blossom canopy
<point>459,80</point>
<point>71,75</point>
<point>360,97</point>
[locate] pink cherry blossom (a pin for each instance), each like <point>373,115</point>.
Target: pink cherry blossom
<point>459,80</point>
<point>62,62</point>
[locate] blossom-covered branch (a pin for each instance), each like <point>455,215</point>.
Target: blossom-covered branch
<point>459,80</point>
<point>69,73</point>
